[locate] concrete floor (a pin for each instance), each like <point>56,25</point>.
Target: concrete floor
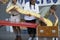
<point>4,35</point>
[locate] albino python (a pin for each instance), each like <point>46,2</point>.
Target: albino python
<point>22,11</point>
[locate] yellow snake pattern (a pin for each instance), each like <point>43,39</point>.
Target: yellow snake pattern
<point>20,10</point>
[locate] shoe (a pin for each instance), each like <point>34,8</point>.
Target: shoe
<point>30,38</point>
<point>36,38</point>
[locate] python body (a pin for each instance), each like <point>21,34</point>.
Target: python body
<point>20,10</point>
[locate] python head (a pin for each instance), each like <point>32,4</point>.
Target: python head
<point>3,1</point>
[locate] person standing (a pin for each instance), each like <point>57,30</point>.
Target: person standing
<point>49,11</point>
<point>31,6</point>
<point>15,17</point>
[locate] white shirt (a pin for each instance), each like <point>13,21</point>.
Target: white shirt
<point>17,17</point>
<point>27,7</point>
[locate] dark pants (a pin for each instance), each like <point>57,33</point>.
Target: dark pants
<point>31,30</point>
<point>17,31</point>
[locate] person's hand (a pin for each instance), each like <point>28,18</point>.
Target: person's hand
<point>28,14</point>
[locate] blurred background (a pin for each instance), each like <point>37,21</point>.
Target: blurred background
<point>6,34</point>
